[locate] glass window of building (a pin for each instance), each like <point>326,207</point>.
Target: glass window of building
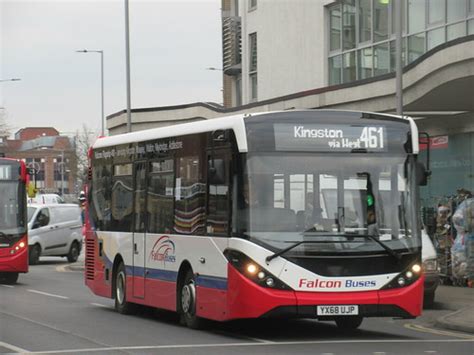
<point>365,63</point>
<point>381,59</point>
<point>252,4</point>
<point>253,52</point>
<point>349,67</point>
<point>367,28</point>
<point>365,20</point>
<point>253,66</point>
<point>435,38</point>
<point>455,31</point>
<point>253,87</point>
<point>380,20</point>
<point>470,27</point>
<point>456,10</point>
<point>416,16</point>
<point>416,46</point>
<point>335,24</point>
<point>335,64</point>
<point>436,11</point>
<point>348,24</point>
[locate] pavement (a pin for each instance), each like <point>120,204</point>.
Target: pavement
<point>459,300</point>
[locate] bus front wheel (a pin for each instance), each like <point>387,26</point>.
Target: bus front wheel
<point>187,299</point>
<point>9,278</point>
<point>349,322</point>
<point>121,304</point>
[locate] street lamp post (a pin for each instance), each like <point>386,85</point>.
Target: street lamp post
<point>101,52</point>
<point>127,60</point>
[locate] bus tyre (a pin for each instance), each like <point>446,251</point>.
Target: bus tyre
<point>34,254</point>
<point>349,322</point>
<point>73,254</point>
<point>187,299</point>
<point>9,278</point>
<point>121,304</point>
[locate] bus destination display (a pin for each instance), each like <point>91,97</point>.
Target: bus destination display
<point>327,138</point>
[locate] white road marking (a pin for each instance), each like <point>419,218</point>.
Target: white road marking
<point>379,353</point>
<point>48,294</point>
<point>222,345</point>
<point>8,286</point>
<point>99,305</point>
<point>13,347</point>
<point>62,331</point>
<point>431,351</point>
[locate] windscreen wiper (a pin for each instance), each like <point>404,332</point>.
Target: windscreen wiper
<point>292,246</point>
<point>389,250</point>
<point>283,251</point>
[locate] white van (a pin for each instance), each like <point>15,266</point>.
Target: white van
<point>46,199</point>
<point>430,268</point>
<point>54,230</point>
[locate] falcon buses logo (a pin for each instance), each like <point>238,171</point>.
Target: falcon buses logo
<point>163,250</point>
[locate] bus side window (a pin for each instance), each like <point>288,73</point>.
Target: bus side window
<point>218,203</point>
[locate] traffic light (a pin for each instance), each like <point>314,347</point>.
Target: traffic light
<point>370,200</point>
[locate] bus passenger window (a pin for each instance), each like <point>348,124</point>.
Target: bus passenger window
<point>160,196</point>
<point>190,197</point>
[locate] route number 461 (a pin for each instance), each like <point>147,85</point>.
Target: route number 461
<point>372,137</point>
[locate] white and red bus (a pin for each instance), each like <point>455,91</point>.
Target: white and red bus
<point>310,214</point>
<point>13,220</point>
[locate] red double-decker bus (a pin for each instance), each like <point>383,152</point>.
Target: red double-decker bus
<point>13,220</point>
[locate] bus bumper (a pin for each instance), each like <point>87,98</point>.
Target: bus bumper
<point>245,299</point>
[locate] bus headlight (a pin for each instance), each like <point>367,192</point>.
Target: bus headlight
<point>405,278</point>
<point>253,271</point>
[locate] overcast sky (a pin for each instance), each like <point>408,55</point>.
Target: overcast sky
<point>172,42</point>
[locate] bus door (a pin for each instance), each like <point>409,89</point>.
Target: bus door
<point>139,228</point>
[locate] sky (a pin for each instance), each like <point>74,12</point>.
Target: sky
<point>172,42</point>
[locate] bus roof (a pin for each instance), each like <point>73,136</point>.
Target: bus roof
<point>236,123</point>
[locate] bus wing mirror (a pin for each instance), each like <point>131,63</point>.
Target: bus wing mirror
<point>422,174</point>
<point>216,172</point>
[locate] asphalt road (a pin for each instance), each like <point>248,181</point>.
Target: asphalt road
<point>50,311</point>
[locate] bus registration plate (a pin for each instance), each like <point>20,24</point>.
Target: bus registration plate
<point>340,310</point>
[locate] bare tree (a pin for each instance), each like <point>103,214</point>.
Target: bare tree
<point>83,139</point>
<point>5,129</point>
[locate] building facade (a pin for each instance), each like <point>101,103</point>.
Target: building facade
<point>51,155</point>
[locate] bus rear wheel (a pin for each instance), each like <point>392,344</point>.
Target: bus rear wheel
<point>121,304</point>
<point>349,322</point>
<point>9,278</point>
<point>187,302</point>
